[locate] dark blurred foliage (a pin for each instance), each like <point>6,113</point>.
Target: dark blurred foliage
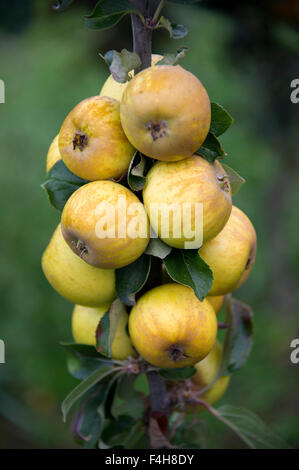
<point>246,54</point>
<point>15,15</point>
<point>262,45</point>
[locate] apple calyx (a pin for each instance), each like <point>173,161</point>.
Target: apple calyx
<point>80,140</point>
<point>248,262</point>
<point>176,353</point>
<point>157,129</point>
<point>224,182</point>
<point>80,248</point>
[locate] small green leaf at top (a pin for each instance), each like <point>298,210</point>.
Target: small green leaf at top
<point>188,268</point>
<point>121,63</point>
<point>108,13</point>
<point>130,279</point>
<point>221,120</point>
<point>238,338</point>
<point>106,329</point>
<point>176,31</point>
<point>211,148</point>
<point>182,373</point>
<point>173,59</point>
<point>60,184</point>
<point>250,428</point>
<point>236,181</point>
<point>137,171</point>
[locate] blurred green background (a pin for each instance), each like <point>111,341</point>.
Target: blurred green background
<point>246,54</point>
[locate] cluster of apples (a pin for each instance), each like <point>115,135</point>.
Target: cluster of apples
<point>164,112</point>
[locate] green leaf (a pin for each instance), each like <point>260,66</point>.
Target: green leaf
<point>182,373</point>
<point>106,329</point>
<point>84,387</point>
<point>60,184</point>
<point>141,384</point>
<point>127,401</point>
<point>173,59</point>
<point>137,437</point>
<point>88,422</point>
<point>250,428</point>
<point>121,63</point>
<point>116,431</point>
<point>211,148</point>
<point>190,435</point>
<point>158,248</point>
<point>61,5</point>
<point>188,268</point>
<point>221,120</point>
<point>83,360</point>
<point>236,181</point>
<point>137,171</point>
<point>108,13</point>
<point>176,31</point>
<point>130,279</point>
<point>238,338</point>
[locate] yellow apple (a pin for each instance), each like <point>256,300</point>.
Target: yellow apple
<point>114,89</point>
<point>216,302</point>
<point>53,154</point>
<point>165,112</point>
<point>171,328</point>
<point>74,279</point>
<point>105,224</point>
<point>92,143</point>
<point>85,321</point>
<point>206,372</point>
<point>193,183</point>
<point>231,254</point>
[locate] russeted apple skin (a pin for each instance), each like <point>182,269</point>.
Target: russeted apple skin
<point>53,154</point>
<point>74,279</point>
<point>166,112</point>
<point>92,142</point>
<point>207,370</point>
<point>79,225</point>
<point>85,321</point>
<point>231,254</point>
<point>171,328</point>
<point>190,181</point>
<point>115,89</point>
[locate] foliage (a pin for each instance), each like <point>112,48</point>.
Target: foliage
<point>130,279</point>
<point>60,183</point>
<point>188,268</point>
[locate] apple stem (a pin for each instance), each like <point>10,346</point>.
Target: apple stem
<point>142,45</point>
<point>142,35</point>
